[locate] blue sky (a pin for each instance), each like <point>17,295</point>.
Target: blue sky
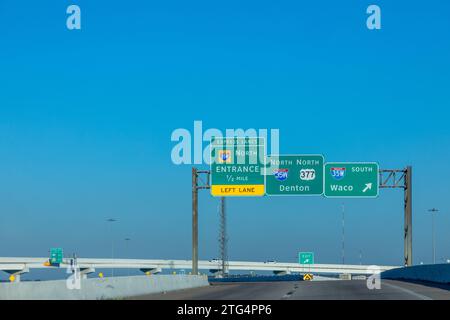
<point>86,118</point>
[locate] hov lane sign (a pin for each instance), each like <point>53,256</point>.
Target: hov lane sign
<point>351,180</point>
<point>237,166</point>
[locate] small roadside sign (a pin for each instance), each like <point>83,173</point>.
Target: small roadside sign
<point>306,257</point>
<point>308,277</point>
<point>56,255</point>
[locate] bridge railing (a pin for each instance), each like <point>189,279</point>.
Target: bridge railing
<point>17,266</point>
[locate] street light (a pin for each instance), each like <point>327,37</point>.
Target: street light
<point>433,212</point>
<point>111,220</point>
<point>126,250</point>
<point>343,233</point>
<point>126,245</point>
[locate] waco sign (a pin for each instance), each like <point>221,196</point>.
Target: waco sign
<point>351,179</point>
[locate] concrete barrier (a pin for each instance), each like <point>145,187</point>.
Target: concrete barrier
<point>96,289</point>
<point>439,273</point>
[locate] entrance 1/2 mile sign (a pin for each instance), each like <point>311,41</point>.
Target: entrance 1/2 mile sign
<point>347,179</point>
<point>294,175</point>
<point>237,166</point>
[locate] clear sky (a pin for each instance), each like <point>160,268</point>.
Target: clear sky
<point>86,118</point>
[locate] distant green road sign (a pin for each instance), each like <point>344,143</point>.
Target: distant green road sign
<point>56,255</point>
<point>294,175</point>
<point>351,180</point>
<point>306,257</point>
<point>237,166</point>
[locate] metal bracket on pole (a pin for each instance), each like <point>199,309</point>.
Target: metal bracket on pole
<point>408,216</point>
<point>399,178</point>
<point>197,184</point>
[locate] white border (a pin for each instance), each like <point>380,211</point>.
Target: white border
<point>354,197</point>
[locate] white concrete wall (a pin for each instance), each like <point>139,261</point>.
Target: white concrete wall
<point>94,289</point>
<point>439,273</point>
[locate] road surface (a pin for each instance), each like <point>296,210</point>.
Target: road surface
<point>307,290</point>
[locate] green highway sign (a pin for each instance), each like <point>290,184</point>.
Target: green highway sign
<point>237,166</point>
<point>56,255</point>
<point>351,180</point>
<point>306,257</point>
<point>294,175</point>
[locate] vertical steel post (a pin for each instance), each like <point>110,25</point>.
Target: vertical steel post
<point>433,238</point>
<point>433,235</point>
<point>223,239</point>
<point>408,216</point>
<point>194,221</point>
<point>343,234</point>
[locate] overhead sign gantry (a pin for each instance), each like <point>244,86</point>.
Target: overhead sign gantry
<point>239,167</point>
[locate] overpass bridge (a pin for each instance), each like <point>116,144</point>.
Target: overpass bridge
<point>17,266</point>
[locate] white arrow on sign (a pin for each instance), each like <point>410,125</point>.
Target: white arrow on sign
<point>368,187</point>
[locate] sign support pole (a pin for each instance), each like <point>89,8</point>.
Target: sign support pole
<point>402,178</point>
<point>408,216</point>
<point>223,238</point>
<point>195,187</point>
<point>194,222</point>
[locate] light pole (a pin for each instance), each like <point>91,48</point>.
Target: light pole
<point>126,250</point>
<point>111,220</point>
<point>126,245</point>
<point>343,234</point>
<point>433,212</point>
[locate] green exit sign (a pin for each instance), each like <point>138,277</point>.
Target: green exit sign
<point>306,257</point>
<point>56,255</point>
<point>351,180</point>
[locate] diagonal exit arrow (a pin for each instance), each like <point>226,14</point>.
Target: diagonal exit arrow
<point>368,187</point>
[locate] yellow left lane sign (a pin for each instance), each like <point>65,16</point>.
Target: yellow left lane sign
<point>238,190</point>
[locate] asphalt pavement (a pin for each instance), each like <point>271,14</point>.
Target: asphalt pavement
<point>309,290</point>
